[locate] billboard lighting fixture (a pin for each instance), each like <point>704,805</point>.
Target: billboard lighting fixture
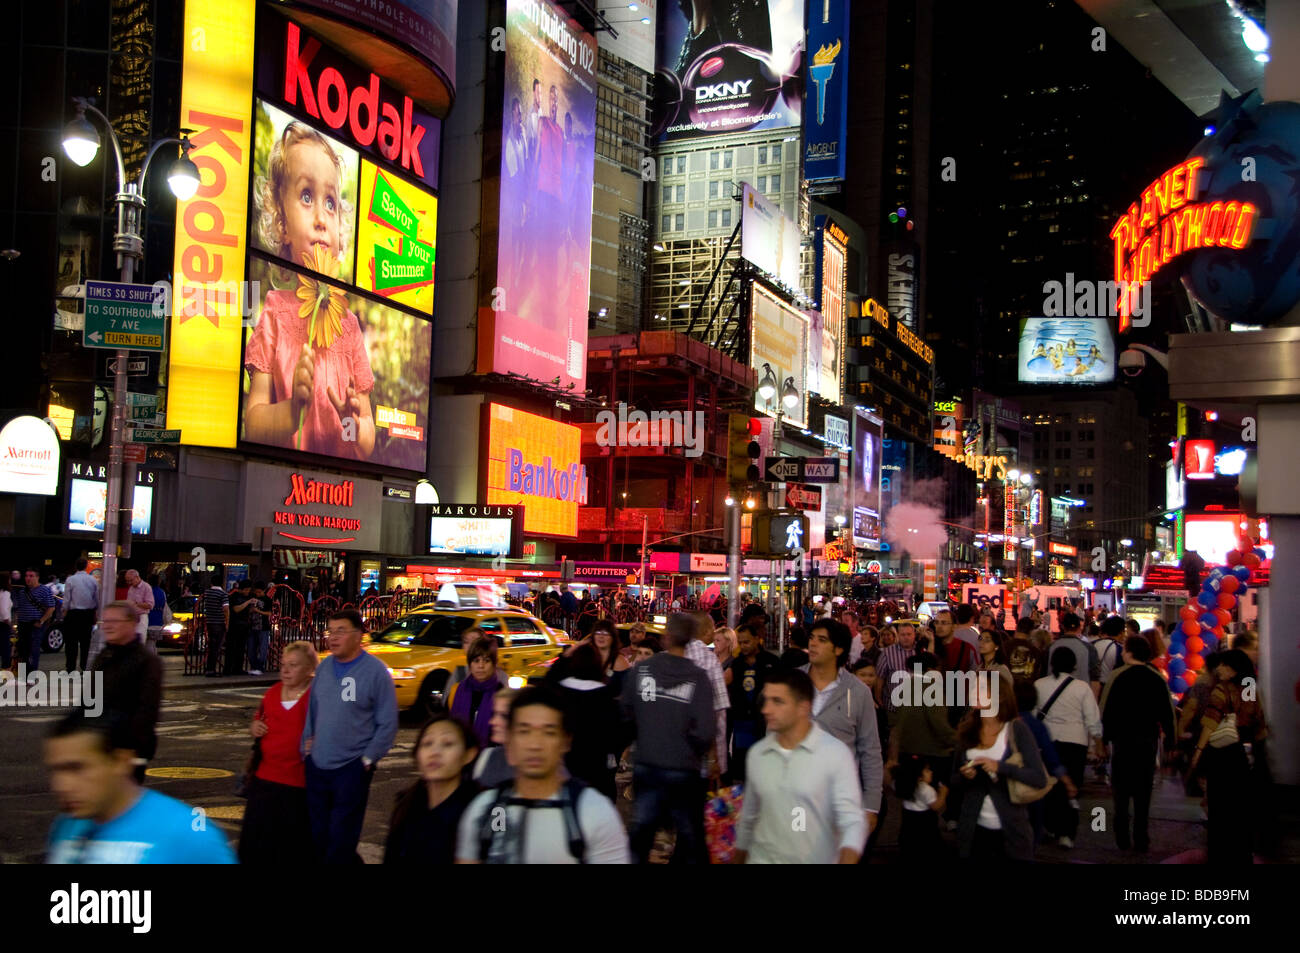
<point>657,246</point>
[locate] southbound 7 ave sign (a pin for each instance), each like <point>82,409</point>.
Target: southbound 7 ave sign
<point>124,316</point>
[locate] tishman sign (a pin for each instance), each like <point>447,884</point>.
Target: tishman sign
<point>29,457</point>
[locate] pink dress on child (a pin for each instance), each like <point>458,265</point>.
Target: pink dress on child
<point>274,348</point>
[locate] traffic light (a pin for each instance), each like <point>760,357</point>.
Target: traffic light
<point>743,449</point>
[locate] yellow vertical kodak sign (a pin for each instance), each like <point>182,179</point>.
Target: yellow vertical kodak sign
<point>211,228</point>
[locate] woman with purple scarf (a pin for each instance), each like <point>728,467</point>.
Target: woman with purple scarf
<point>471,699</point>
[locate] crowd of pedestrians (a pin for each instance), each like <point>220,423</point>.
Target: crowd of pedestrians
<point>812,746</point>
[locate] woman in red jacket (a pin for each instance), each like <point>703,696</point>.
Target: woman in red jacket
<point>275,827</point>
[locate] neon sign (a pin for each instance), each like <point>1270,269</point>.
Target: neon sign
<point>1168,222</point>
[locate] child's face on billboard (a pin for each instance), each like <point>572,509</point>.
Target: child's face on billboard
<point>311,201</point>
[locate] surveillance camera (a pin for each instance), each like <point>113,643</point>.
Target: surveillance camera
<point>1132,361</point>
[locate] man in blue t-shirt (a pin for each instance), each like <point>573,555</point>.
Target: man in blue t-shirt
<point>106,817</point>
<point>351,724</point>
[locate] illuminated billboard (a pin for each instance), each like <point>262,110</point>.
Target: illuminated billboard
<point>768,239</point>
<point>87,500</point>
<point>778,342</point>
<point>830,282</point>
<point>728,66</point>
<point>396,239</point>
<point>473,530</point>
<point>826,132</point>
<point>536,324</point>
<point>1212,536</point>
<point>534,462</point>
<point>207,318</point>
<point>333,373</point>
<point>868,437</point>
<point>1066,351</point>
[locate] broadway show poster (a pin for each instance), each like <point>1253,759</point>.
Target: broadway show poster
<point>539,307</point>
<point>330,372</point>
<point>728,66</point>
<point>396,238</point>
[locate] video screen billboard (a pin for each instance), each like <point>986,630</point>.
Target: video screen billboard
<point>728,66</point>
<point>87,500</point>
<point>1066,350</point>
<point>778,345</point>
<point>304,195</point>
<point>868,449</point>
<point>331,372</point>
<point>768,239</point>
<point>537,325</point>
<point>470,536</point>
<point>536,462</point>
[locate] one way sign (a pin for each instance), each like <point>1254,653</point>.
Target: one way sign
<point>782,469</point>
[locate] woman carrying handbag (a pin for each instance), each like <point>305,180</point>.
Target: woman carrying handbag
<point>997,771</point>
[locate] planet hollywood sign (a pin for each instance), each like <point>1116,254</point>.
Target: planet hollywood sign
<point>1168,222</point>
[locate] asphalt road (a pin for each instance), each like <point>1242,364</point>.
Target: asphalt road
<point>204,743</point>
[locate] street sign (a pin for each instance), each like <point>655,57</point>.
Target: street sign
<point>144,415</point>
<point>123,316</point>
<point>135,367</point>
<point>782,469</point>
<point>141,400</point>
<point>821,470</point>
<point>153,436</point>
<point>799,496</point>
<point>133,453</point>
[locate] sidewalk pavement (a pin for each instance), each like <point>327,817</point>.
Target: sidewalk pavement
<point>174,677</point>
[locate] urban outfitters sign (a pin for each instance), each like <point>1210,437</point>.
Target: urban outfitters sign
<point>323,510</point>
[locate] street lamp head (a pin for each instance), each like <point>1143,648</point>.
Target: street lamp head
<point>767,386</point>
<point>183,179</point>
<point>789,395</point>
<point>1026,478</point>
<point>1013,475</point>
<point>1126,542</point>
<point>80,139</point>
<point>840,521</point>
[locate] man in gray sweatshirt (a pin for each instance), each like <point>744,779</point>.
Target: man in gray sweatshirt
<point>351,724</point>
<point>843,706</point>
<point>670,701</point>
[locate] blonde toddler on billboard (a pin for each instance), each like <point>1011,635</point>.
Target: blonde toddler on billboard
<point>310,374</point>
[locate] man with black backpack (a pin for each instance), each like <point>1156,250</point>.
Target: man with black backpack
<point>540,817</point>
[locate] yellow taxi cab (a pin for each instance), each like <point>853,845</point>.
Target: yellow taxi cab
<point>422,648</point>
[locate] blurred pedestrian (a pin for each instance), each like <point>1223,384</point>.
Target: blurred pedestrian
<point>924,801</point>
<point>597,738</point>
<point>80,606</point>
<point>491,767</point>
<point>539,816</point>
<point>259,629</point>
<point>799,771</point>
<point>1027,704</point>
<point>140,594</point>
<point>105,817</point>
<point>276,828</point>
<point>471,700</point>
<point>351,724</point>
<point>242,602</point>
<point>132,679</point>
<point>33,609</point>
<point>6,624</point>
<point>749,671</point>
<point>216,620</point>
<point>1069,710</point>
<point>425,823</point>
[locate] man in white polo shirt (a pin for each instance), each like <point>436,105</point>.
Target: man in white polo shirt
<point>803,798</point>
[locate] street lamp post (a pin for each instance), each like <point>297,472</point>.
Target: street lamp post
<point>81,143</point>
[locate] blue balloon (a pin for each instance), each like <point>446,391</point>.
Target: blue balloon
<point>1217,572</point>
<point>1209,620</point>
<point>1211,642</point>
<point>1176,667</point>
<point>1242,573</point>
<point>1208,599</point>
<point>1259,551</point>
<point>1178,645</point>
<point>1212,585</point>
<point>1177,685</point>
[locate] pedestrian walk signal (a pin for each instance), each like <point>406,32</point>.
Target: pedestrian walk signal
<point>742,449</point>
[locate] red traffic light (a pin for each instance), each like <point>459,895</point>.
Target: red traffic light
<point>755,426</point>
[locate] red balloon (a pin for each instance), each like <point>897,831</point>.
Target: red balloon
<point>1189,613</point>
<point>1245,545</point>
<point>1196,662</point>
<point>1234,557</point>
<point>1250,561</point>
<point>1191,627</point>
<point>1224,617</point>
<point>1161,663</point>
<point>1227,600</point>
<point>1194,645</point>
<point>1218,633</point>
<point>1229,584</point>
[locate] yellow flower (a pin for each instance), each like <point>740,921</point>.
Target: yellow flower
<point>314,294</point>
